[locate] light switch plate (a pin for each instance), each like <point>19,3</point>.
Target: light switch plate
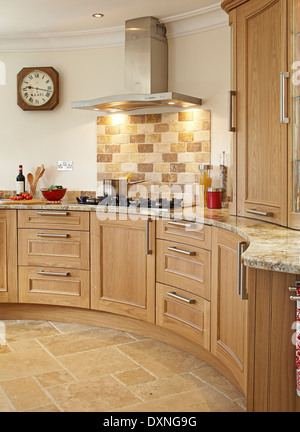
<point>64,166</point>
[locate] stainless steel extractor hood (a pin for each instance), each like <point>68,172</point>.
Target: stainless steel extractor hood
<point>146,72</point>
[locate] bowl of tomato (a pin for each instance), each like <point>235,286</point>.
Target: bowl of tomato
<point>54,193</point>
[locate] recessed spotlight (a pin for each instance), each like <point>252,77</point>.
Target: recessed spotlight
<point>98,15</point>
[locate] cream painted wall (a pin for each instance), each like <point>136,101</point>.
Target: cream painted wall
<point>199,65</point>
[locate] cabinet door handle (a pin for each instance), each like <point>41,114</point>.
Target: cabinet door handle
<point>174,249</point>
<point>52,213</point>
<point>53,235</point>
<point>230,110</point>
<point>173,294</point>
<point>48,273</point>
<point>180,224</point>
<point>148,251</point>
<point>269,214</point>
<point>295,289</point>
<point>240,272</point>
<point>283,77</point>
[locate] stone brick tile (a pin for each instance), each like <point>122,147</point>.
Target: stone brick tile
<point>137,138</point>
<point>194,147</point>
<point>161,127</point>
<point>170,157</point>
<point>144,167</point>
<point>136,119</point>
<point>145,148</point>
<point>153,118</point>
<point>185,136</point>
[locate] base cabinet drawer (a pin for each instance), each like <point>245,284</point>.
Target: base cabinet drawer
<point>184,266</point>
<point>184,313</point>
<point>54,248</point>
<point>63,287</point>
<point>194,234</point>
<point>54,219</point>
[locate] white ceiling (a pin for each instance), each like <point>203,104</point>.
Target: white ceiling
<point>32,17</point>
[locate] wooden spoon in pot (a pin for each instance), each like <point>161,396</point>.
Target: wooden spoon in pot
<point>30,181</point>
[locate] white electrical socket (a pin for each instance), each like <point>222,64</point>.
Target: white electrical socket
<point>64,166</point>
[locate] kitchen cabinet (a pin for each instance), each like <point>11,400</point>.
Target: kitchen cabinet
<point>123,266</point>
<point>54,264</point>
<point>259,109</point>
<point>184,266</point>
<point>8,256</point>
<point>183,274</point>
<point>229,304</point>
<point>183,313</point>
<point>272,330</point>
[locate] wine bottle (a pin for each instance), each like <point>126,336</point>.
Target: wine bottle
<point>20,181</point>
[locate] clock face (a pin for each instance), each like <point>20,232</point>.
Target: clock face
<point>36,88</point>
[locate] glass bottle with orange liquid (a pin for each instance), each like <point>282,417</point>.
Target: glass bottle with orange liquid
<point>205,183</point>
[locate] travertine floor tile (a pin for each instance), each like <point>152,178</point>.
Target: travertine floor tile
<point>4,349</point>
<point>214,378</point>
<point>134,376</point>
<point>4,404</point>
<point>159,358</point>
<point>203,399</point>
<point>101,394</point>
<point>28,330</point>
<point>51,367</point>
<point>25,393</point>
<point>95,363</point>
<point>29,363</point>
<point>86,340</point>
<point>167,386</point>
<point>44,408</point>
<point>54,378</point>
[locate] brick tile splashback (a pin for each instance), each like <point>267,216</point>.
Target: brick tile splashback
<point>159,148</point>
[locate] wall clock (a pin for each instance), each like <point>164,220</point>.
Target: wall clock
<point>38,88</point>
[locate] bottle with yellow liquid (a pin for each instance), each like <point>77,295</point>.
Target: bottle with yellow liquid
<point>205,183</point>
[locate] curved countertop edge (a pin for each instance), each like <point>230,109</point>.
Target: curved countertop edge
<point>271,247</point>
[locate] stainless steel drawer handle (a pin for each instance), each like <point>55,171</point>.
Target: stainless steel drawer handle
<point>173,294</point>
<point>296,299</point>
<point>283,77</point>
<point>50,213</point>
<point>148,251</point>
<point>180,224</point>
<point>231,128</point>
<point>269,214</point>
<point>241,272</point>
<point>53,235</point>
<point>174,249</point>
<point>48,273</point>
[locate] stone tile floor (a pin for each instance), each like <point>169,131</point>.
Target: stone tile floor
<point>56,367</point>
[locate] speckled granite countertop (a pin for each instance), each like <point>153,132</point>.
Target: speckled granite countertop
<point>271,247</point>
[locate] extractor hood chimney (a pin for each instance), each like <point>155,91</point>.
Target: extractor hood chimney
<point>146,72</point>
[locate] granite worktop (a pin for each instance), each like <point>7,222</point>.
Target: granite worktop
<point>271,247</point>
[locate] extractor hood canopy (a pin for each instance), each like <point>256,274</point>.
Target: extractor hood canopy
<point>146,72</point>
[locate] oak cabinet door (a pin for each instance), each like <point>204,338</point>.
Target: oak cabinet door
<point>123,275</point>
<point>8,256</point>
<point>261,133</point>
<point>229,313</point>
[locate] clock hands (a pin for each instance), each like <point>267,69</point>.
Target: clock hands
<point>36,88</point>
